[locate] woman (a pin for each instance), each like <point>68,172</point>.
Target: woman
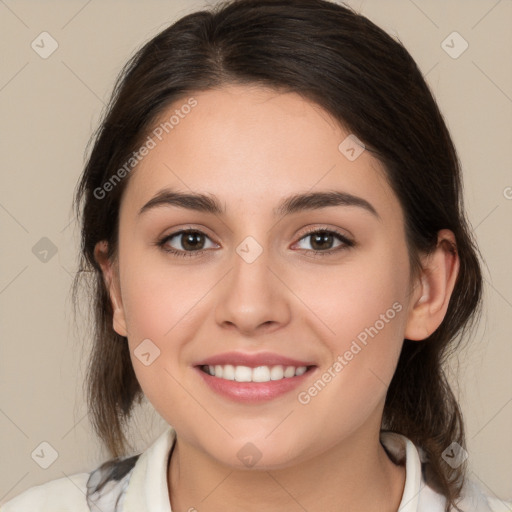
<point>272,212</point>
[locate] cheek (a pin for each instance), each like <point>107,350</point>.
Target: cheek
<point>161,305</point>
<point>358,293</point>
<point>360,308</point>
<point>160,299</point>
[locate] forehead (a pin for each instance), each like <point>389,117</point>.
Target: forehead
<point>253,146</point>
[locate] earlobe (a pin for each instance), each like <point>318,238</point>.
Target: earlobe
<point>111,279</point>
<point>438,277</point>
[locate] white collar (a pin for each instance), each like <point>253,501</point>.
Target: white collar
<point>148,490</point>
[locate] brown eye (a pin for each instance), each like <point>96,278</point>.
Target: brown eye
<point>322,240</point>
<point>192,240</point>
<point>185,242</point>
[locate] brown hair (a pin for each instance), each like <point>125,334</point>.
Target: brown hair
<point>366,80</point>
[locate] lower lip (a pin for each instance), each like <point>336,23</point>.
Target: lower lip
<point>253,392</point>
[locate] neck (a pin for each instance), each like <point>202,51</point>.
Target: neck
<point>354,475</point>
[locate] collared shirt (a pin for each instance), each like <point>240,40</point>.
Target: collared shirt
<point>139,484</point>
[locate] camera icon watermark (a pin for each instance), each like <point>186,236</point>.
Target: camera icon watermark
<point>44,45</point>
<point>454,455</point>
<point>249,455</point>
<point>351,147</point>
<point>146,352</point>
<point>249,249</point>
<point>454,45</point>
<point>44,250</point>
<point>44,455</point>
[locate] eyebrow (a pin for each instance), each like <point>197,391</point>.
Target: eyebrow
<point>295,203</point>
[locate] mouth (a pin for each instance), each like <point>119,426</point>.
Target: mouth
<point>251,378</point>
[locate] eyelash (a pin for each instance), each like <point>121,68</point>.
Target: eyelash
<point>347,243</point>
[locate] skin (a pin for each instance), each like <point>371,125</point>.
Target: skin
<point>251,147</point>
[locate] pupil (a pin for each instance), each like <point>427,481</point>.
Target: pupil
<point>191,240</point>
<point>321,239</point>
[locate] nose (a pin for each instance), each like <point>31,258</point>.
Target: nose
<point>252,298</point>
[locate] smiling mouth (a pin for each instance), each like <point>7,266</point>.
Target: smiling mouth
<point>257,374</point>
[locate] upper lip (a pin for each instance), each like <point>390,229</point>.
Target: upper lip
<point>252,360</point>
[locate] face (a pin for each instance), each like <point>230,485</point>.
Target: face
<point>320,288</point>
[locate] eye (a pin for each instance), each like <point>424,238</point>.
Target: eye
<point>193,242</point>
<point>189,241</point>
<point>321,241</point>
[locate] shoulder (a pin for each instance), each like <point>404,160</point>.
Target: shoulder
<point>104,488</point>
<point>67,492</point>
<point>475,499</point>
<point>419,496</point>
<point>137,481</point>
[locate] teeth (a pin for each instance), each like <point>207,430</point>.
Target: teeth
<point>277,373</point>
<point>289,372</point>
<point>300,370</point>
<point>228,372</point>
<point>258,374</point>
<point>242,374</point>
<point>261,374</point>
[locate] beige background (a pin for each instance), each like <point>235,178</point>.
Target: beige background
<point>49,108</point>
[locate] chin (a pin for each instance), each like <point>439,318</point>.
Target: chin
<point>256,453</point>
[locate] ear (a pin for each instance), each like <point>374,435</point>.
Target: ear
<point>111,278</point>
<point>438,276</point>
